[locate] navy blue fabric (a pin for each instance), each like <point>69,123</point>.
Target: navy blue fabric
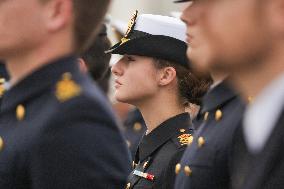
<point>75,144</point>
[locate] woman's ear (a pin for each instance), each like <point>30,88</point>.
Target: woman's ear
<point>166,75</point>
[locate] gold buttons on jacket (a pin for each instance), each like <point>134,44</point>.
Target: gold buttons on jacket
<point>201,142</point>
<point>1,143</point>
<point>128,185</point>
<point>206,115</point>
<point>187,171</point>
<point>2,88</point>
<point>137,127</point>
<point>190,140</point>
<point>218,115</point>
<point>178,167</point>
<point>145,165</point>
<point>20,112</point>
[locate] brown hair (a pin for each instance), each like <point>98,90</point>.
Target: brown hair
<point>191,87</point>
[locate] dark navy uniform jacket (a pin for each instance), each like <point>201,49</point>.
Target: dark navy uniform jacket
<point>57,132</point>
<point>264,170</point>
<point>205,163</point>
<point>4,78</point>
<point>158,153</point>
<point>134,130</point>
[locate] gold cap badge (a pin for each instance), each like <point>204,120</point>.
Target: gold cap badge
<point>67,88</point>
<point>130,27</point>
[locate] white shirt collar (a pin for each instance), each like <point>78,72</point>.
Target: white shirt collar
<point>261,116</point>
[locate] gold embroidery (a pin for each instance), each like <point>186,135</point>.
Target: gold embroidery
<point>67,88</point>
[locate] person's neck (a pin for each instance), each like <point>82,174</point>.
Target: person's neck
<point>22,64</point>
<point>218,77</point>
<point>158,109</point>
<point>250,82</point>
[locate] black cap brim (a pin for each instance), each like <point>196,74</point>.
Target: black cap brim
<point>156,46</point>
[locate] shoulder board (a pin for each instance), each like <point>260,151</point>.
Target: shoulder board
<point>67,88</point>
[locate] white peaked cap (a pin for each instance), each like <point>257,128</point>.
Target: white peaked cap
<point>161,25</point>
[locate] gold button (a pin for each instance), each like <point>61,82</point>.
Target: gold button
<point>20,112</point>
<point>201,142</point>
<point>2,90</point>
<point>206,115</point>
<point>190,140</point>
<point>182,130</point>
<point>187,171</point>
<point>145,165</point>
<point>218,115</point>
<point>2,80</point>
<point>178,167</point>
<point>250,99</point>
<point>128,185</point>
<point>137,126</point>
<point>1,143</point>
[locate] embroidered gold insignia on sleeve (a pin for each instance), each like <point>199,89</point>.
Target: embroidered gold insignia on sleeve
<point>185,139</point>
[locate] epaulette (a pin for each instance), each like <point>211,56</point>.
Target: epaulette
<point>67,88</point>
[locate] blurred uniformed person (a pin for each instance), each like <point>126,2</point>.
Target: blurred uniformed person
<point>245,38</point>
<point>206,162</point>
<point>56,129</point>
<point>4,79</point>
<point>153,75</point>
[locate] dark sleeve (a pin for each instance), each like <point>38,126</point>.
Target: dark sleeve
<point>170,174</point>
<point>81,148</point>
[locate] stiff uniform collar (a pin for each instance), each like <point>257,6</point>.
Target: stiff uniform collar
<point>261,116</point>
<point>217,97</point>
<point>162,133</point>
<point>37,81</point>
